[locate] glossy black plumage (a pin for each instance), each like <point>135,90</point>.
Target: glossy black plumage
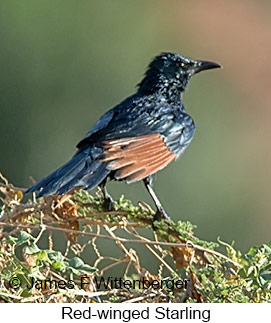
<point>136,138</point>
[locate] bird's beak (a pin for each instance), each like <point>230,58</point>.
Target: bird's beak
<point>204,65</point>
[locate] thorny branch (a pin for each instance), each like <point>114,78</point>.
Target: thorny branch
<point>53,214</point>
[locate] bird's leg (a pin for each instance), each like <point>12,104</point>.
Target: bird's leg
<point>160,212</point>
<point>108,200</point>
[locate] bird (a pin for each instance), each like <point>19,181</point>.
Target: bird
<point>135,139</point>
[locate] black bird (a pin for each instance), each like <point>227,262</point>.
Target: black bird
<point>136,138</point>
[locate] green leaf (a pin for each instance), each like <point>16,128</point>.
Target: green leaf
<point>55,255</point>
<point>88,269</point>
<point>26,293</point>
<point>78,267</point>
<point>11,240</point>
<point>23,278</point>
<point>250,270</point>
<point>57,260</point>
<point>23,237</point>
<point>267,248</point>
<point>75,271</point>
<point>42,255</point>
<point>266,274</point>
<point>59,266</point>
<point>31,249</point>
<point>76,262</point>
<point>253,251</point>
<point>224,292</point>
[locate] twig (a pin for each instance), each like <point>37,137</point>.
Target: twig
<point>123,240</point>
<point>10,186</point>
<point>153,252</point>
<point>113,265</point>
<point>43,228</point>
<point>140,298</point>
<point>20,297</point>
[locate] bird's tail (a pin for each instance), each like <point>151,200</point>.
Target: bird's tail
<point>83,170</point>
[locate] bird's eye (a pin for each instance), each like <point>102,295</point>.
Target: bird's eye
<point>181,64</point>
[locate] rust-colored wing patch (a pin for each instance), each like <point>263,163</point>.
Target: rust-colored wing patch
<point>135,158</point>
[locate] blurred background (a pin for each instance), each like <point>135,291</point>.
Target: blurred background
<point>64,63</point>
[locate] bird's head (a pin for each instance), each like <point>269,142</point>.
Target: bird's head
<point>172,72</point>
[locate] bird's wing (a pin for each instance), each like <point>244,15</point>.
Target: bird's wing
<point>100,124</point>
<point>129,118</point>
<point>140,137</point>
<point>123,120</point>
<point>134,157</point>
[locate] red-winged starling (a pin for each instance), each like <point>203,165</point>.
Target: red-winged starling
<point>136,138</point>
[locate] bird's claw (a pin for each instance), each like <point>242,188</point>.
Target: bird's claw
<point>108,204</point>
<point>160,214</point>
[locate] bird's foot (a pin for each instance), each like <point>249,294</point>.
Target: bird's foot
<point>108,203</point>
<point>160,214</point>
